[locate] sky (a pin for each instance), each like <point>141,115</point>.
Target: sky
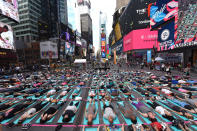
<point>105,6</point>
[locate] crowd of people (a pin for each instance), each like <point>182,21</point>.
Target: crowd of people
<point>111,99</point>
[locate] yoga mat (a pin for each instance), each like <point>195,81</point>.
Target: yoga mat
<point>73,118</point>
<point>49,121</point>
<point>180,106</point>
<point>96,120</point>
<point>7,120</point>
<point>30,119</point>
<point>165,120</point>
<point>116,121</point>
<point>145,119</point>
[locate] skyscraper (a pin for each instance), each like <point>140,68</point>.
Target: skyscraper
<point>86,24</point>
<point>121,3</point>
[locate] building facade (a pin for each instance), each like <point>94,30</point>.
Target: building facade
<point>86,24</point>
<point>121,3</point>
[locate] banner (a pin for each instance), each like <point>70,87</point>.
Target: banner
<point>149,57</point>
<point>166,36</point>
<point>48,50</point>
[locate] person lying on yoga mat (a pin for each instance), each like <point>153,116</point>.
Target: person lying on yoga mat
<point>142,109</point>
<point>143,92</point>
<point>69,112</point>
<point>51,92</point>
<point>178,110</point>
<point>63,93</point>
<point>91,112</point>
<point>7,105</point>
<point>51,111</point>
<point>15,110</point>
<point>185,106</point>
<point>32,111</point>
<point>108,112</point>
<point>128,112</point>
<point>161,110</point>
<point>190,100</point>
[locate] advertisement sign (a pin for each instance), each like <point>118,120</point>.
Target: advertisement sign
<point>166,36</point>
<point>103,54</point>
<point>118,34</point>
<point>6,36</point>
<point>9,8</point>
<point>149,56</point>
<point>162,11</point>
<point>140,39</point>
<point>135,16</point>
<point>48,50</point>
<point>102,43</point>
<point>103,49</point>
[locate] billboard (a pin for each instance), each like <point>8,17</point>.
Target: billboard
<point>6,36</point>
<point>48,50</point>
<point>135,16</point>
<point>166,36</point>
<point>9,8</point>
<point>140,39</point>
<point>162,11</point>
<point>117,31</point>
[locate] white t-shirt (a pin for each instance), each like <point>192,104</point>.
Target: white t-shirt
<point>31,111</point>
<point>52,91</point>
<point>72,108</point>
<point>166,91</point>
<point>109,112</point>
<point>160,109</point>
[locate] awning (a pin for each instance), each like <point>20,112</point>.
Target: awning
<point>80,61</point>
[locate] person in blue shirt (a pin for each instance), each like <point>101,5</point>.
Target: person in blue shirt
<point>185,106</point>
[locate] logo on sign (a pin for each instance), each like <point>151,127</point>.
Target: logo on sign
<point>165,34</point>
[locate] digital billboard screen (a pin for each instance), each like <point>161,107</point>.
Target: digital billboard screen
<point>140,39</point>
<point>162,11</point>
<point>6,36</point>
<point>135,16</point>
<point>9,8</point>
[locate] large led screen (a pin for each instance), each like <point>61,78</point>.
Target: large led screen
<point>6,36</point>
<point>140,39</point>
<point>9,8</point>
<point>162,11</point>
